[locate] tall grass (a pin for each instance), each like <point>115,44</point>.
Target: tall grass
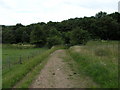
<point>99,61</point>
<point>12,53</point>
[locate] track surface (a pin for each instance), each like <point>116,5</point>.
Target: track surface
<point>57,74</point>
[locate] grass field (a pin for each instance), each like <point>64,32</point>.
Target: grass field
<point>31,66</point>
<point>99,60</point>
<point>12,53</point>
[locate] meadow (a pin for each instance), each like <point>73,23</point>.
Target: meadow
<point>31,66</point>
<point>11,54</point>
<point>98,60</point>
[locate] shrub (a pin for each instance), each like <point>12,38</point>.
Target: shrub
<point>79,36</point>
<point>55,40</point>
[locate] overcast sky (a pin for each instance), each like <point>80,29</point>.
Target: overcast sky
<point>33,11</point>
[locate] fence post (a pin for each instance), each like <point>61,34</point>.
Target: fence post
<point>31,55</point>
<point>9,62</point>
<point>20,60</point>
<point>28,57</point>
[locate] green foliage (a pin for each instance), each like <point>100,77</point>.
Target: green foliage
<point>79,36</point>
<point>100,14</point>
<point>8,36</point>
<point>25,37</point>
<point>101,26</point>
<point>18,34</point>
<point>55,40</point>
<point>66,37</point>
<point>38,36</point>
<point>54,32</point>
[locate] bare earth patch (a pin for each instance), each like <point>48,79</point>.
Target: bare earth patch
<point>57,74</point>
<point>76,48</point>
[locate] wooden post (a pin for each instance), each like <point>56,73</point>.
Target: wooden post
<point>28,57</point>
<point>20,60</point>
<point>9,62</point>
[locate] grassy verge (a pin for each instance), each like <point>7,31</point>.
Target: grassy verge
<point>81,77</point>
<point>99,62</point>
<point>27,80</point>
<point>19,71</point>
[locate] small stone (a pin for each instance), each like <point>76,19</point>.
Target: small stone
<point>51,85</point>
<point>68,78</point>
<point>58,69</point>
<point>70,75</point>
<point>74,73</point>
<point>53,73</point>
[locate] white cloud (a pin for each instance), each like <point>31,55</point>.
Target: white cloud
<point>33,11</point>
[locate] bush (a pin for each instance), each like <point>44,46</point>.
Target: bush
<point>55,40</point>
<point>79,36</point>
<point>38,36</point>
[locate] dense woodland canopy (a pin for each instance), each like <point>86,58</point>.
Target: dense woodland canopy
<point>74,31</point>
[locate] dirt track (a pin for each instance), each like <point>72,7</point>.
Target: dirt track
<point>57,74</point>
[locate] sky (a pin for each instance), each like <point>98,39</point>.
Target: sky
<point>33,11</point>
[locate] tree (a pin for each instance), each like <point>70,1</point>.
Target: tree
<point>8,35</point>
<point>18,34</point>
<point>100,14</point>
<point>101,26</point>
<point>66,37</point>
<point>79,36</point>
<point>25,37</point>
<point>105,28</point>
<point>38,36</point>
<point>53,32</point>
<point>54,38</point>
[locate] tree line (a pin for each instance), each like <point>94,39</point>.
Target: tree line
<point>74,31</point>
